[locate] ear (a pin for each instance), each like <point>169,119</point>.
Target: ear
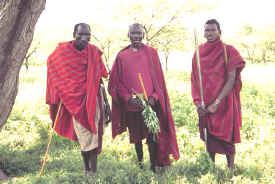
<point>204,35</point>
<point>128,35</point>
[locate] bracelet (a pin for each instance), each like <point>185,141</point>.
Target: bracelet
<point>217,101</point>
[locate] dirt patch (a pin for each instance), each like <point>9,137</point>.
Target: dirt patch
<point>3,176</point>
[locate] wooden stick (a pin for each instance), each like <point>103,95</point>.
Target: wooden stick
<point>199,68</point>
<point>200,81</point>
<point>142,86</point>
<point>50,140</point>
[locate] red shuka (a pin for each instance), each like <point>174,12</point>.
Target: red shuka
<point>226,122</point>
<point>73,79</point>
<point>119,89</point>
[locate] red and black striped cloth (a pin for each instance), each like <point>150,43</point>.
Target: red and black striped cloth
<point>73,78</point>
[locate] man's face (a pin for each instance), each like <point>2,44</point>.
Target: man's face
<point>136,35</point>
<point>82,36</point>
<point>211,32</point>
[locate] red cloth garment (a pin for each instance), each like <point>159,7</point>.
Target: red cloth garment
<point>215,145</point>
<point>226,122</point>
<point>124,81</point>
<point>136,126</point>
<point>132,63</point>
<point>73,79</point>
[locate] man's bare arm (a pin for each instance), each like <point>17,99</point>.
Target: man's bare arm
<point>231,76</point>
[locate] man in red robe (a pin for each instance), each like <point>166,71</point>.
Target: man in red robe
<point>74,83</point>
<point>221,67</point>
<point>126,109</point>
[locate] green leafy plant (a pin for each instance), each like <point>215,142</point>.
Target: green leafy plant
<point>150,118</point>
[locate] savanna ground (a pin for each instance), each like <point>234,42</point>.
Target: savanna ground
<point>24,139</point>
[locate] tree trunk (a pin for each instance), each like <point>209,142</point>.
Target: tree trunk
<point>17,22</point>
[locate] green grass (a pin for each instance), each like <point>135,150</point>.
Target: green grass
<point>24,139</point>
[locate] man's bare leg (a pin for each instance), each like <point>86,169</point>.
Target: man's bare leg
<point>139,151</point>
<point>93,160</point>
<point>86,158</point>
<point>212,156</point>
<point>230,161</point>
<point>152,147</point>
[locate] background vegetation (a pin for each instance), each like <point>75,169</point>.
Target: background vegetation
<point>24,139</point>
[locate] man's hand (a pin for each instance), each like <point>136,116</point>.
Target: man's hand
<point>201,111</point>
<point>151,101</point>
<point>136,102</point>
<point>212,108</point>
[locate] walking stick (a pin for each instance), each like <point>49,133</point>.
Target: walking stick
<point>50,139</point>
<point>142,86</point>
<point>200,82</point>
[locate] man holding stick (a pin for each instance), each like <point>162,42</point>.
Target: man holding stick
<point>74,83</point>
<point>124,84</point>
<point>220,78</point>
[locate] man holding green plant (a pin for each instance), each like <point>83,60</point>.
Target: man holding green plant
<point>125,87</point>
<point>216,77</point>
<point>74,86</point>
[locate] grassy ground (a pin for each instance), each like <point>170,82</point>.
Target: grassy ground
<point>24,139</point>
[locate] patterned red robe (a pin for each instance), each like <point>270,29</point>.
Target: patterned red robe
<point>73,79</point>
<point>224,124</point>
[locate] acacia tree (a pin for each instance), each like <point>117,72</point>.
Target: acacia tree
<point>258,45</point>
<point>106,45</point>
<point>17,24</point>
<point>163,22</point>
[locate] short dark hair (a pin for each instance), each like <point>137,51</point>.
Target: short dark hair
<point>80,24</point>
<point>214,21</point>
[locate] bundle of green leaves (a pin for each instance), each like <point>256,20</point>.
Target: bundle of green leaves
<point>150,117</point>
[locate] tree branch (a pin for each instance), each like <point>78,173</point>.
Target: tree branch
<point>170,20</point>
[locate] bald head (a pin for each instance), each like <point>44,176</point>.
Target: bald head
<point>82,35</point>
<point>136,35</point>
<point>136,26</point>
<point>82,25</point>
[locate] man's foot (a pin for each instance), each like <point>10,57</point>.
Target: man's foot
<point>162,169</point>
<point>153,168</point>
<point>140,165</point>
<point>89,173</point>
<point>86,172</point>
